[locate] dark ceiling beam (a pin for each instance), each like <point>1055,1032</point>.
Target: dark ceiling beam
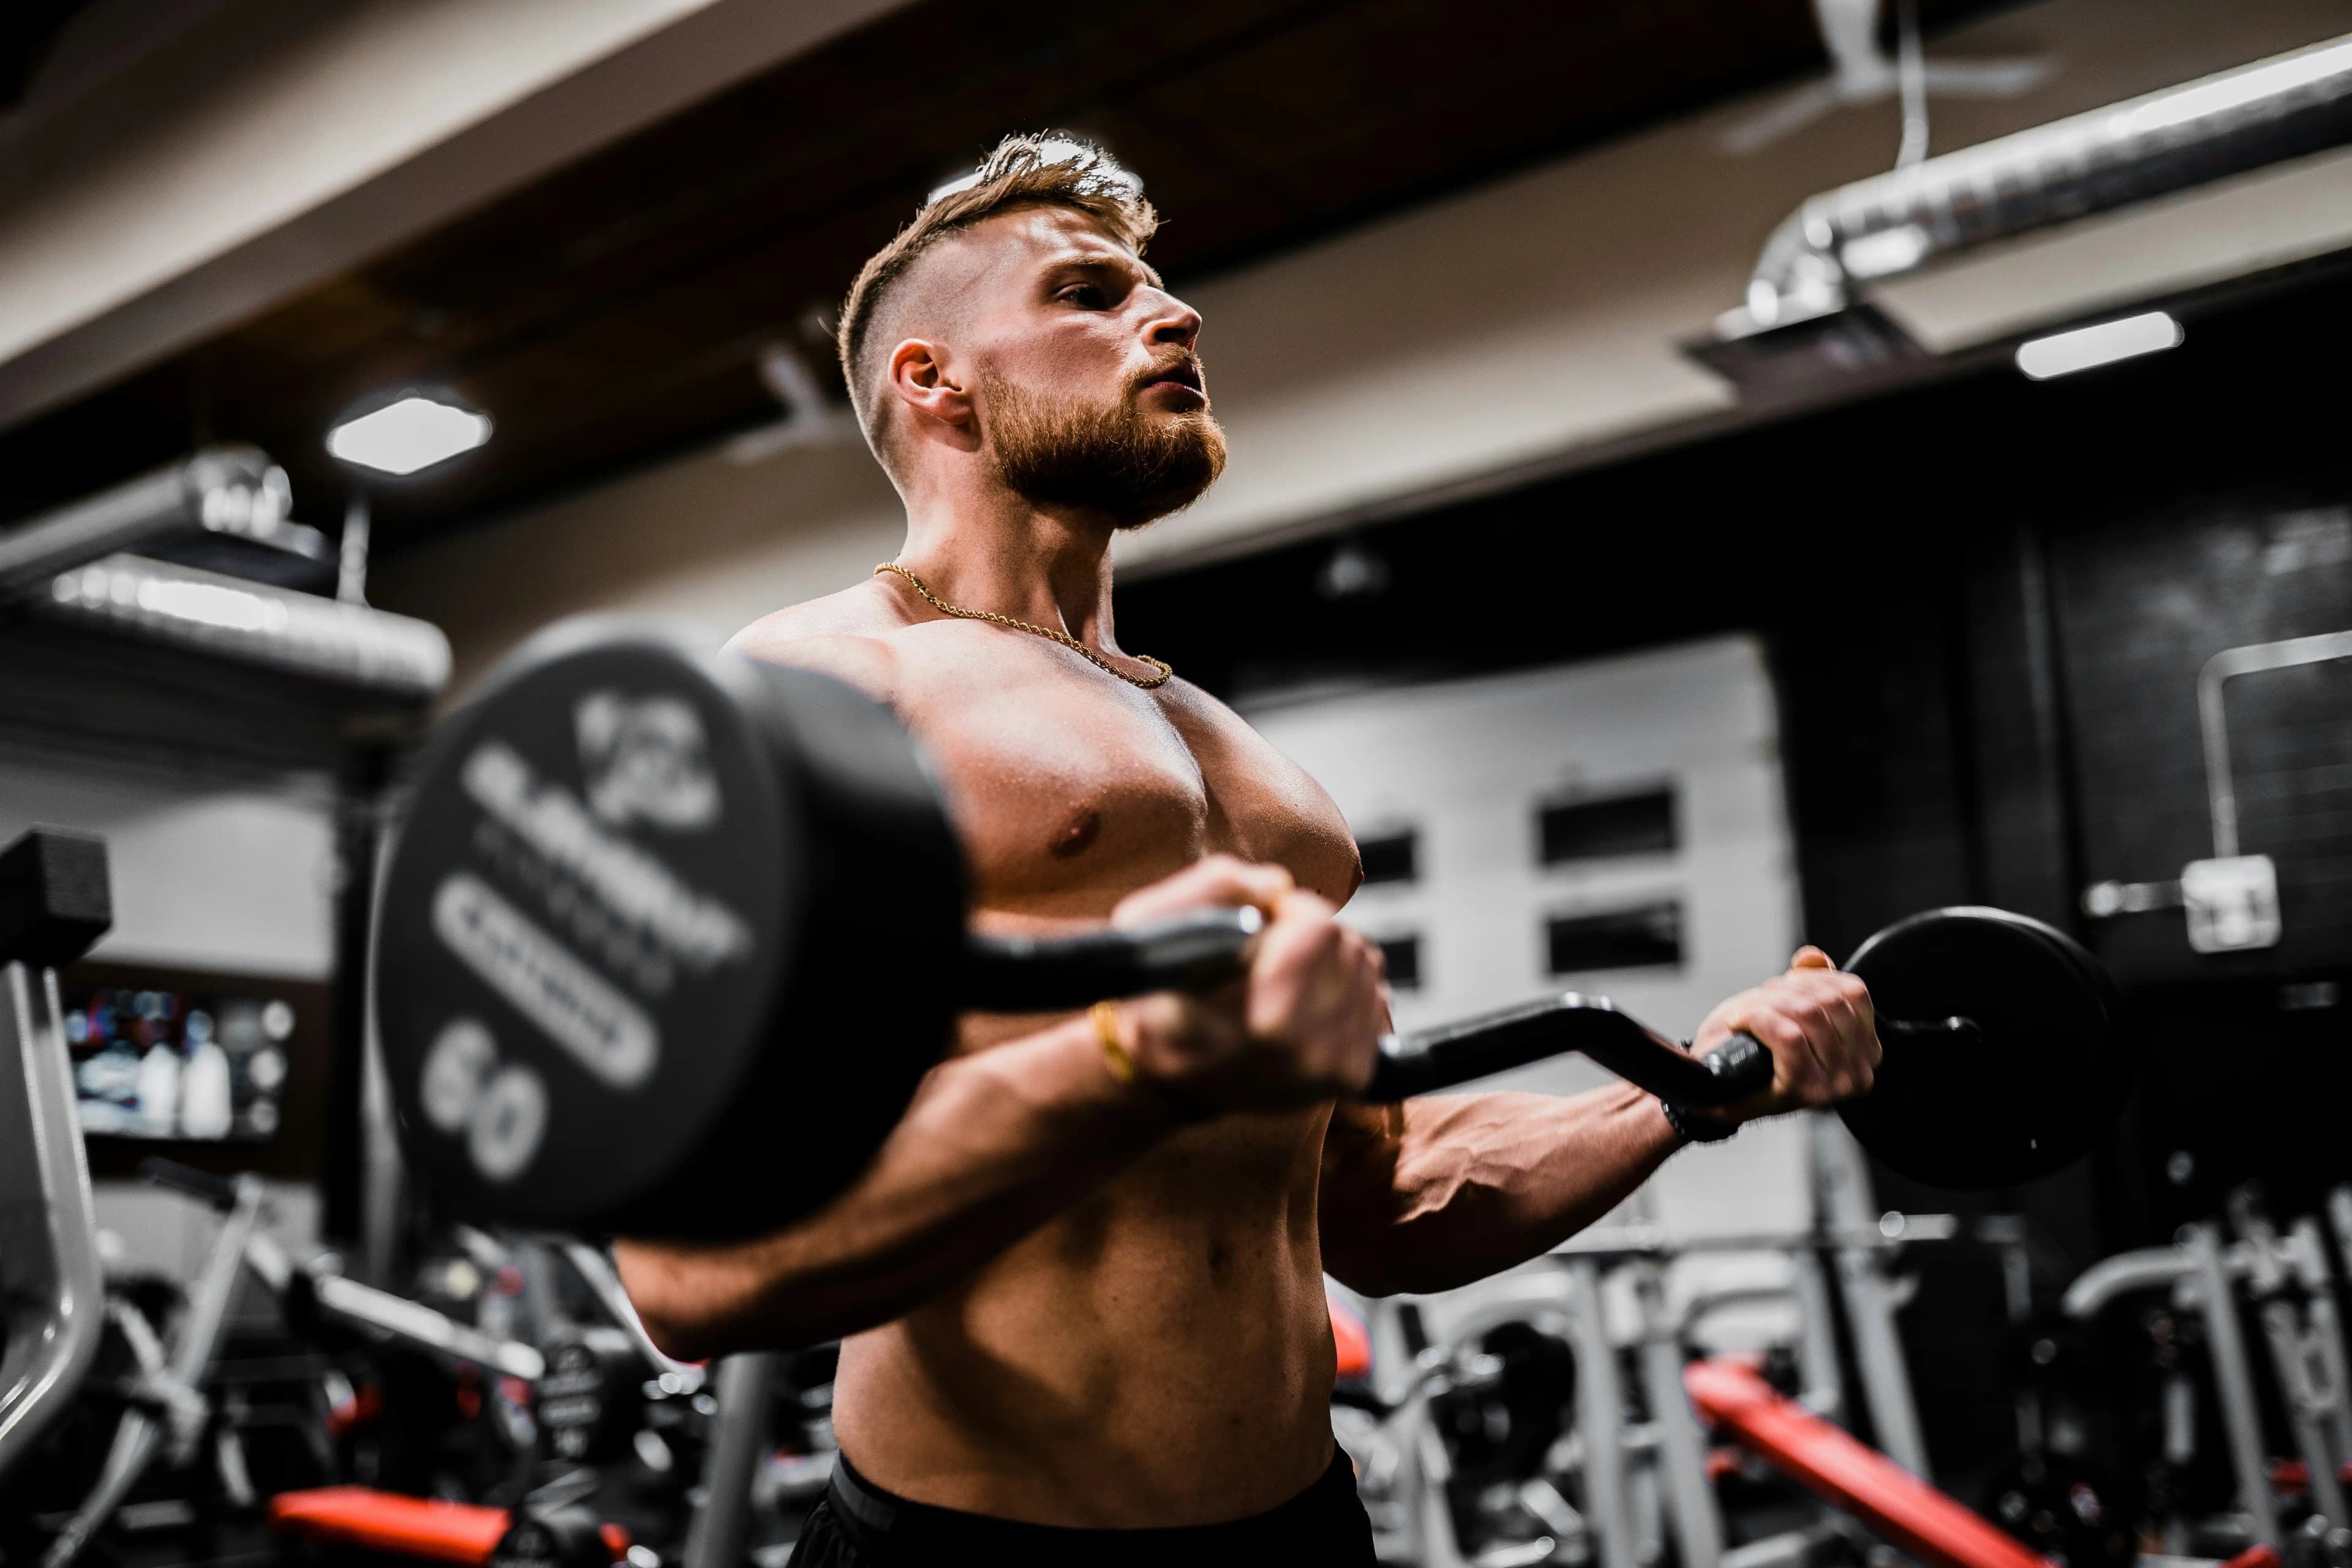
<point>238,239</point>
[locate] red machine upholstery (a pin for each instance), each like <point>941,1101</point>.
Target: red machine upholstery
<point>1354,1340</point>
<point>1851,1476</point>
<point>406,1526</point>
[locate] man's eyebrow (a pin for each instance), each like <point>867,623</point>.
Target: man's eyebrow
<point>1093,261</point>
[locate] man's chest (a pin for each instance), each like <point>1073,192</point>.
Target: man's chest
<point>1071,790</point>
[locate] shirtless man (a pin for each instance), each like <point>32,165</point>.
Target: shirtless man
<point>1080,1290</point>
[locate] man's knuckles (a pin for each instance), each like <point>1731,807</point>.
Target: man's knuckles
<point>1775,1027</point>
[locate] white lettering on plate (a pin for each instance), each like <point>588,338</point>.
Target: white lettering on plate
<point>647,758</point>
<point>633,885</point>
<point>573,1005</point>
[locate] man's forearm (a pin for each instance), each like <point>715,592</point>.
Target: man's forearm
<point>1447,1189</point>
<point>995,1143</point>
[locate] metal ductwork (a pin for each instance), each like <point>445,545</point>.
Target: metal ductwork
<point>2285,107</point>
<point>235,491</point>
<point>83,565</point>
<point>397,657</point>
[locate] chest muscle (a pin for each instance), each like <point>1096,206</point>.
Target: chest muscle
<point>1070,794</point>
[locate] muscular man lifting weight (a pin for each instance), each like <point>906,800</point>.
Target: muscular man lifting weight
<point>1080,1290</point>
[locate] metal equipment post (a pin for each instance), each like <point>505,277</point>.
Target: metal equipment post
<point>2325,1307</point>
<point>1682,1450</point>
<point>721,1534</point>
<point>55,902</point>
<point>1600,1416</point>
<point>141,1432</point>
<point>54,1300</point>
<point>1847,1208</point>
<point>2297,1354</point>
<point>1817,1353</point>
<point>2241,1418</point>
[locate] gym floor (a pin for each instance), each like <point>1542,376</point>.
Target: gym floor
<point>1698,479</point>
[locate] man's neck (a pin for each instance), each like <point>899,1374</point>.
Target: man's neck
<point>998,552</point>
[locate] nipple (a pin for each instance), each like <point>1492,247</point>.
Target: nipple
<point>1080,831</point>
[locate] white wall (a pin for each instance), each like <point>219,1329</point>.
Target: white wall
<point>1466,763</point>
<point>210,873</point>
<point>154,1231</point>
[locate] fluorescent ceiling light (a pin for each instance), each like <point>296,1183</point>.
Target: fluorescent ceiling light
<point>2062,353</point>
<point>412,433</point>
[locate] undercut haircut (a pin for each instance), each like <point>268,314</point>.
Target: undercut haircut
<point>1049,168</point>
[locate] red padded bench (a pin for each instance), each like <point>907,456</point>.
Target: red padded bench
<point>1849,1475</point>
<point>429,1528</point>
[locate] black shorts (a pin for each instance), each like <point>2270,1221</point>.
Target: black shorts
<point>856,1523</point>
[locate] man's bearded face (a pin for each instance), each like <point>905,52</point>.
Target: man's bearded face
<point>1110,456</point>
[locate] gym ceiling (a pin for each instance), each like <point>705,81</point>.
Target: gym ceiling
<point>614,310</point>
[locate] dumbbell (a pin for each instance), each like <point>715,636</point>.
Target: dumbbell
<point>669,938</point>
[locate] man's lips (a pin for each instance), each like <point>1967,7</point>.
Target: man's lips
<point>1183,374</point>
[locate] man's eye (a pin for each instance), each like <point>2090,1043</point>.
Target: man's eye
<point>1086,294</point>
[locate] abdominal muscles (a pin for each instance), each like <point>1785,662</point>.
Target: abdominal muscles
<point>1158,1354</point>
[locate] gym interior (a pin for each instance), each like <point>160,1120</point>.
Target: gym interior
<point>1701,478</point>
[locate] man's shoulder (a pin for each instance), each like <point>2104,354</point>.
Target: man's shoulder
<point>847,635</point>
<point>1197,706</point>
<point>852,612</point>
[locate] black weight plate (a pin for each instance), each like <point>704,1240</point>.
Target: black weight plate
<point>2036,1086</point>
<point>870,1004</point>
<point>585,922</point>
<point>543,1537</point>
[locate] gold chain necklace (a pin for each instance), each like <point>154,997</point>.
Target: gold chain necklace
<point>1073,644</point>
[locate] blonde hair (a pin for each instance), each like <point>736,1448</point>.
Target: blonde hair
<point>1048,168</point>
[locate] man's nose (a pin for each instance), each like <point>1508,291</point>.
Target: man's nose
<point>1174,322</point>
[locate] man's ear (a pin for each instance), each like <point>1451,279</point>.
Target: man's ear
<point>921,376</point>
